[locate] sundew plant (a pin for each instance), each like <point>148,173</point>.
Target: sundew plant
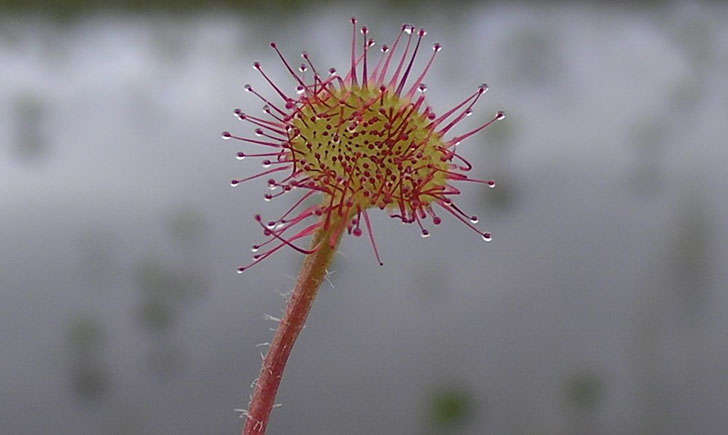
<point>358,140</point>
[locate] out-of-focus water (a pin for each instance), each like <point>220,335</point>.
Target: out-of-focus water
<point>600,307</point>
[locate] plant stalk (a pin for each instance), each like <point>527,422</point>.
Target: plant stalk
<point>310,278</point>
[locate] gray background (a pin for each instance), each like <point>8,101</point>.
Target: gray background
<point>600,307</point>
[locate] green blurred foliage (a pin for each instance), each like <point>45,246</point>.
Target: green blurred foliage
<point>164,291</point>
<point>690,256</point>
<point>186,224</point>
<point>90,378</point>
<point>90,381</point>
<point>583,391</point>
<point>85,335</point>
<point>451,407</point>
<point>165,360</point>
<point>155,314</point>
<point>28,120</point>
<point>70,8</point>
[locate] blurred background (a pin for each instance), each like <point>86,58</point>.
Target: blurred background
<point>599,308</point>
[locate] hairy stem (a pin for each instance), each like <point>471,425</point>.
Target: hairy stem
<point>312,274</point>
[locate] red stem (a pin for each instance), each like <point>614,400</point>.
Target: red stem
<point>312,275</point>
